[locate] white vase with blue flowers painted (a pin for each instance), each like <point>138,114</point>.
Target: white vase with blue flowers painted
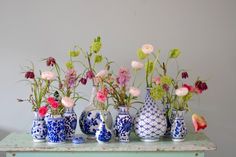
<point>90,118</point>
<point>150,122</point>
<point>103,133</point>
<point>39,128</point>
<point>178,128</point>
<point>70,123</point>
<point>56,129</point>
<point>123,124</point>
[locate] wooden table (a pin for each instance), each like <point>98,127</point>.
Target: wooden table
<point>21,145</point>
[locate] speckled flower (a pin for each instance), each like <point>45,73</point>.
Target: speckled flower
<point>70,78</point>
<point>123,76</point>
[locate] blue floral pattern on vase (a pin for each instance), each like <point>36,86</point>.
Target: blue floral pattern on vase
<point>89,121</point>
<point>150,122</point>
<point>103,134</point>
<point>179,129</point>
<point>56,130</point>
<point>70,123</point>
<point>39,129</point>
<point>123,125</point>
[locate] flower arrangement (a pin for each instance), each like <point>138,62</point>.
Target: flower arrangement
<point>117,87</point>
<point>40,88</point>
<point>167,89</point>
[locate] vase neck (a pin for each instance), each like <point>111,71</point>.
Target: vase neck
<point>180,114</point>
<point>70,109</point>
<point>123,109</point>
<point>37,116</point>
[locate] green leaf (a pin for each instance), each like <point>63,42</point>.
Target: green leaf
<point>149,66</point>
<point>174,53</point>
<point>141,55</point>
<point>166,80</point>
<point>157,92</point>
<point>69,65</point>
<point>98,59</point>
<point>74,53</point>
<point>187,97</point>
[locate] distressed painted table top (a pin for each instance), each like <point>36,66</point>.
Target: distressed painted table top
<point>22,142</point>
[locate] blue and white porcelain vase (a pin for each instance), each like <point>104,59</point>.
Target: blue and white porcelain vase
<point>178,128</point>
<point>56,129</point>
<point>70,123</point>
<point>150,122</point>
<point>103,133</point>
<point>39,128</point>
<point>123,124</point>
<point>90,118</point>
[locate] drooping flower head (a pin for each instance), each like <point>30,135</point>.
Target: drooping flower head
<point>199,122</point>
<point>29,75</point>
<point>184,75</point>
<point>83,81</point>
<point>200,86</point>
<point>50,61</point>
<point>123,76</point>
<point>90,74</point>
<point>71,78</point>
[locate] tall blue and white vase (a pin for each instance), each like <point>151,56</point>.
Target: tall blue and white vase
<point>103,133</point>
<point>56,129</point>
<point>123,124</point>
<point>70,123</point>
<point>90,118</point>
<point>178,128</point>
<point>150,122</point>
<point>39,128</point>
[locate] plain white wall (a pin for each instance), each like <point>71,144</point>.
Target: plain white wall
<point>205,31</point>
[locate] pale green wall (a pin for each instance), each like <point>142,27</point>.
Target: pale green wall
<point>205,30</point>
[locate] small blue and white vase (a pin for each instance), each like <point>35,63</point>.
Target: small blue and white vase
<point>103,133</point>
<point>150,122</point>
<point>39,128</point>
<point>56,129</point>
<point>178,128</point>
<point>90,118</point>
<point>123,124</point>
<point>70,123</point>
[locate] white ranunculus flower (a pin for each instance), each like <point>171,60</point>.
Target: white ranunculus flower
<point>137,65</point>
<point>67,102</point>
<point>48,75</point>
<point>181,91</point>
<point>147,48</point>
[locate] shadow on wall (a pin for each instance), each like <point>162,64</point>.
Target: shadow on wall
<point>3,133</point>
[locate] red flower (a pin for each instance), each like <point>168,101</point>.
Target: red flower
<point>199,122</point>
<point>200,86</point>
<point>42,111</point>
<point>50,100</point>
<point>101,97</point>
<point>54,105</point>
<point>184,75</point>
<point>90,74</point>
<point>29,75</point>
<point>165,87</point>
<point>51,61</point>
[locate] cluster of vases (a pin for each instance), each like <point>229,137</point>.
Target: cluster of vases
<point>149,124</point>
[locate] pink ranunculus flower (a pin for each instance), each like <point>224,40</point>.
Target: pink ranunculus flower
<point>147,48</point>
<point>47,75</point>
<point>156,80</point>
<point>199,122</point>
<point>182,91</point>
<point>67,102</point>
<point>101,97</point>
<point>134,91</point>
<point>137,65</point>
<point>102,73</point>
